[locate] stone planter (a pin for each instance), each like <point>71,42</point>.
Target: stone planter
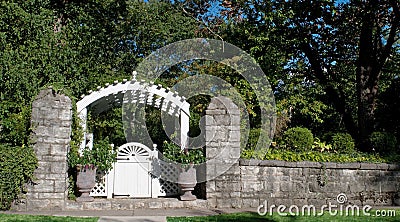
<point>85,181</point>
<point>187,181</point>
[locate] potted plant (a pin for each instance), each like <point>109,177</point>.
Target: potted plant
<point>100,157</point>
<point>187,177</point>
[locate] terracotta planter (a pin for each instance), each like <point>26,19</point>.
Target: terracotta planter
<point>85,181</point>
<point>187,181</point>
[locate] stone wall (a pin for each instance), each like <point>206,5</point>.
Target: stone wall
<point>222,153</point>
<point>51,121</point>
<point>249,183</point>
<point>301,183</point>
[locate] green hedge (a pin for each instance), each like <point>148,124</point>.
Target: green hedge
<point>16,168</point>
<point>343,143</point>
<point>317,156</point>
<point>299,139</point>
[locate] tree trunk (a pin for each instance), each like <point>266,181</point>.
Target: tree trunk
<point>367,80</point>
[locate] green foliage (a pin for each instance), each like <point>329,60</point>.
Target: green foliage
<point>317,156</point>
<point>253,138</point>
<point>188,156</point>
<point>321,146</point>
<point>298,138</point>
<point>101,156</point>
<point>17,164</point>
<point>343,143</point>
<point>15,127</point>
<point>383,142</point>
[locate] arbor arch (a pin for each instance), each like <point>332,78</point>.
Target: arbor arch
<point>104,98</point>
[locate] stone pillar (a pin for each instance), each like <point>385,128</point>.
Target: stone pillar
<point>222,152</point>
<point>51,122</point>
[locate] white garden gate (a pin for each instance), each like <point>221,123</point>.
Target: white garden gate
<point>133,172</point>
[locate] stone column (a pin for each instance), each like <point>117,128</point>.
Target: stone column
<point>51,122</point>
<point>222,152</point>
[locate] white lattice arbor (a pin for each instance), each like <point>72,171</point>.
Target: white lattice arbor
<point>146,93</point>
<point>132,173</point>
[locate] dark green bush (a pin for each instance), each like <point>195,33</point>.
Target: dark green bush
<point>16,168</point>
<point>299,139</point>
<point>254,134</point>
<point>343,143</point>
<point>383,142</point>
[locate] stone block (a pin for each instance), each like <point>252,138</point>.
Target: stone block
<point>290,164</point>
<point>253,186</point>
<point>139,205</point>
<point>224,203</point>
<point>59,167</point>
<point>272,163</point>
<point>60,186</point>
<point>393,167</point>
<point>97,205</point>
<point>121,205</point>
<point>43,186</point>
<point>271,186</point>
<point>41,131</point>
<point>368,166</point>
<point>210,186</point>
<point>286,187</point>
<point>309,164</point>
<point>227,186</point>
<point>42,149</point>
<point>155,205</point>
<point>49,114</point>
<point>212,203</point>
<point>223,120</point>
<point>348,166</point>
<point>251,162</point>
<point>43,167</point>
<point>65,114</point>
<point>215,112</point>
<point>59,149</point>
<point>37,205</point>
<point>53,176</point>
<point>330,165</point>
<point>62,132</point>
<point>73,205</point>
<point>234,136</point>
<point>250,203</point>
<point>213,195</point>
<point>220,136</point>
<point>51,196</point>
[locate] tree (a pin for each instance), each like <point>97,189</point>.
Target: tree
<point>75,46</point>
<point>343,47</point>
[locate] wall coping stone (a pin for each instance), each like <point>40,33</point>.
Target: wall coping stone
<point>328,165</point>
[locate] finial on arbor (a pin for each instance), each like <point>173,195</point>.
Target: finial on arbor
<point>134,73</point>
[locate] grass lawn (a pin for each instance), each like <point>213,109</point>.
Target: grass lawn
<point>35,218</point>
<point>250,217</point>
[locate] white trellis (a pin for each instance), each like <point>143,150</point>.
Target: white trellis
<point>140,158</point>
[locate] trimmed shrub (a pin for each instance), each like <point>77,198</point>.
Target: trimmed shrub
<point>343,143</point>
<point>16,168</point>
<point>299,139</point>
<point>383,142</point>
